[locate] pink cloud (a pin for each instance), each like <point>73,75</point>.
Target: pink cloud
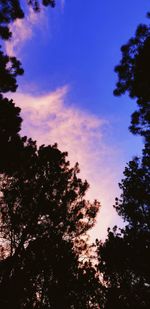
<point>24,29</point>
<point>48,119</point>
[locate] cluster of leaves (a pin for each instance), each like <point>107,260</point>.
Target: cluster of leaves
<point>134,77</point>
<point>10,10</point>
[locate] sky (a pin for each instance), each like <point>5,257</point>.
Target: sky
<point>66,94</point>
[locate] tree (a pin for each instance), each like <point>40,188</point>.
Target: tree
<point>48,275</point>
<point>134,203</point>
<point>46,189</point>
<point>44,215</point>
<point>10,67</point>
<point>134,77</point>
<point>10,10</point>
<point>124,256</point>
<point>10,121</point>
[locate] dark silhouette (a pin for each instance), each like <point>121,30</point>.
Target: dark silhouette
<point>50,188</point>
<point>44,215</point>
<point>124,256</point>
<point>134,77</point>
<point>10,68</point>
<point>10,10</point>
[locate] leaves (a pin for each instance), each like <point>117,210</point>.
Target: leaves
<point>134,78</point>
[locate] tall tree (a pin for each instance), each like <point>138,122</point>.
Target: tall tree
<point>124,256</point>
<point>44,215</point>
<point>134,78</point>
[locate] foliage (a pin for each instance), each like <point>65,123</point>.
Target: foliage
<point>46,274</point>
<point>44,194</point>
<point>43,214</point>
<point>10,10</point>
<point>10,68</point>
<point>134,203</point>
<point>124,263</point>
<point>134,77</point>
<point>124,257</point>
<point>125,254</point>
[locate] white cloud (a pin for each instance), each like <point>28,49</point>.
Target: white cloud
<point>24,29</point>
<point>48,119</point>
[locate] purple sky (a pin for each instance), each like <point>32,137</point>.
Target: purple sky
<point>66,93</point>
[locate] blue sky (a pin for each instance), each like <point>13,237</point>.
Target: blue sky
<point>80,48</point>
<point>69,54</point>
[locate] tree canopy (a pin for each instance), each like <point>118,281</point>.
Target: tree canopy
<point>134,78</point>
<point>44,218</point>
<point>10,10</point>
<point>125,254</point>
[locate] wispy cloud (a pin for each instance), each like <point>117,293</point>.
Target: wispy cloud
<point>24,29</point>
<point>62,3</point>
<point>49,119</point>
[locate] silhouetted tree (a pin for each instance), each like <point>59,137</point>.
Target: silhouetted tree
<point>12,145</point>
<point>134,77</point>
<point>52,190</point>
<point>10,10</point>
<point>16,152</point>
<point>124,256</point>
<point>43,215</point>
<point>10,141</point>
<point>48,275</point>
<point>10,67</point>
